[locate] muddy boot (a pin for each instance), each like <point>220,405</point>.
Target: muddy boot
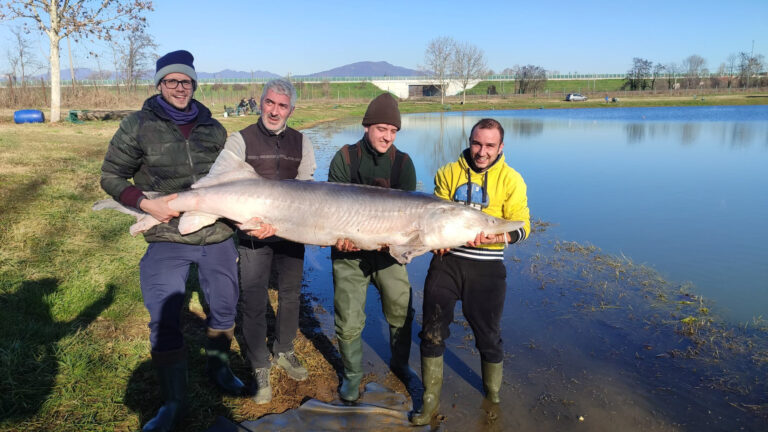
<point>263,387</point>
<point>217,354</point>
<point>432,376</point>
<point>352,357</point>
<point>400,346</point>
<point>492,375</point>
<point>171,370</point>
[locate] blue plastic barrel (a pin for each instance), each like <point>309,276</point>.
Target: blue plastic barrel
<point>28,116</point>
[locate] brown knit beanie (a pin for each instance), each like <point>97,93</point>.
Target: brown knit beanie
<point>383,109</point>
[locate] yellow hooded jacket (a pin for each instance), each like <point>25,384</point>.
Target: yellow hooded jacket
<point>505,197</point>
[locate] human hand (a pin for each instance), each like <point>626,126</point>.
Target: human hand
<point>482,239</point>
<point>158,208</point>
<point>441,252</point>
<point>263,231</point>
<point>346,245</point>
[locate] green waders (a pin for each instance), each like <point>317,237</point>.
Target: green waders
<point>351,276</point>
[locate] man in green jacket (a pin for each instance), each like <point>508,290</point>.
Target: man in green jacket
<point>166,147</point>
<point>373,160</point>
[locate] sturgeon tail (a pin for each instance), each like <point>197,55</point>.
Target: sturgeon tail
<point>144,221</point>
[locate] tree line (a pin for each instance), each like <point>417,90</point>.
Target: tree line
<point>122,24</point>
<point>739,70</point>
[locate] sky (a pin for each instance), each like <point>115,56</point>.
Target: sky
<point>303,37</point>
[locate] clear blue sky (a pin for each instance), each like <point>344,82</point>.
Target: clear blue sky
<point>301,37</point>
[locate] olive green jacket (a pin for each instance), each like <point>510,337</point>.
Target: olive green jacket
<point>150,149</point>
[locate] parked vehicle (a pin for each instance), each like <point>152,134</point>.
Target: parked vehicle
<point>575,97</point>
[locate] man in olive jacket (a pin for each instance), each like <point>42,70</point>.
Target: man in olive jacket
<point>375,161</point>
<point>166,147</point>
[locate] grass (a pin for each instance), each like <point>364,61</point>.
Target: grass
<point>74,351</point>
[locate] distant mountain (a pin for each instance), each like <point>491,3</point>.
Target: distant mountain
<point>367,69</point>
<point>228,73</point>
<point>359,69</point>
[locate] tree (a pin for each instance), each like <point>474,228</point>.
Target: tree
<point>638,75</point>
<point>693,67</point>
<point>673,70</point>
<point>656,73</point>
<point>530,78</point>
<point>20,55</point>
<point>749,66</point>
<point>137,54</point>
<point>468,64</point>
<point>439,58</point>
<point>729,69</point>
<point>79,18</point>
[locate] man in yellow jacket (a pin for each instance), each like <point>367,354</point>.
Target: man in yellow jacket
<point>474,273</point>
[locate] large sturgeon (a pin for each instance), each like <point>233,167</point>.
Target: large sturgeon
<point>320,213</point>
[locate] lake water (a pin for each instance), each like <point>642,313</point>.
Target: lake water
<point>682,190</point>
<point>591,344</point>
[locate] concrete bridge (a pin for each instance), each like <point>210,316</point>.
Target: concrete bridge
<point>405,88</point>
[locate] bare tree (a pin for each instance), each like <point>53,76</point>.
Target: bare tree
<point>20,55</point>
<point>438,58</point>
<point>137,53</point>
<point>656,72</point>
<point>749,66</point>
<point>730,68</point>
<point>693,67</point>
<point>530,78</point>
<point>85,18</point>
<point>468,64</point>
<point>637,76</point>
<point>672,70</point>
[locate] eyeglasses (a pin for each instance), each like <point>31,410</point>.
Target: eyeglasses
<point>173,83</point>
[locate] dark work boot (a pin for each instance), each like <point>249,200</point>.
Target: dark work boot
<point>492,375</point>
<point>352,357</point>
<point>217,354</point>
<point>171,370</point>
<point>432,376</point>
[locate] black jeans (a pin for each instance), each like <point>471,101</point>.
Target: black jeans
<point>481,287</point>
<point>257,261</point>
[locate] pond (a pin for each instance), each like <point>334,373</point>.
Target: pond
<point>650,249</point>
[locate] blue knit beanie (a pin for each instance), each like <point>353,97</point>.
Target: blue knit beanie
<point>176,61</point>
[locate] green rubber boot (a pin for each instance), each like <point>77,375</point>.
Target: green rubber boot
<point>492,375</point>
<point>217,354</point>
<point>432,376</point>
<point>171,370</point>
<point>352,357</point>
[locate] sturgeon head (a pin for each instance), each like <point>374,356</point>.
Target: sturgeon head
<point>447,225</point>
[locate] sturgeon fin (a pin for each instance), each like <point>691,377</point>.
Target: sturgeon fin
<point>414,247</point>
<point>144,221</point>
<point>227,168</point>
<point>405,253</point>
<point>192,221</point>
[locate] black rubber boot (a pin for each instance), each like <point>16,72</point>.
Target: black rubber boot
<point>432,376</point>
<point>171,370</point>
<point>217,353</point>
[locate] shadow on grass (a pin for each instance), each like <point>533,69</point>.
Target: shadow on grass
<point>29,343</point>
<point>18,197</point>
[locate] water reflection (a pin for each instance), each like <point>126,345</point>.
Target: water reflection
<point>653,184</point>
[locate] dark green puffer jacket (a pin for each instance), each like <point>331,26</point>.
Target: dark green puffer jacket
<point>150,149</point>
